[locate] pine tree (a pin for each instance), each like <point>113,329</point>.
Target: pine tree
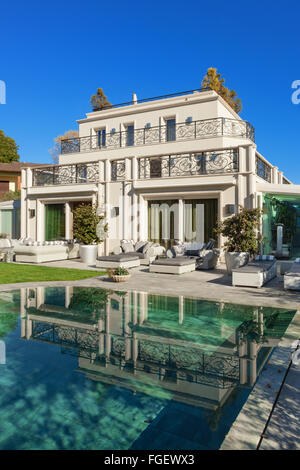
<point>214,81</point>
<point>99,101</point>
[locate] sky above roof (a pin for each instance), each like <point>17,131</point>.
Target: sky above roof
<point>54,58</point>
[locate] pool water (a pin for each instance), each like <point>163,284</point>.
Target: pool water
<point>95,369</point>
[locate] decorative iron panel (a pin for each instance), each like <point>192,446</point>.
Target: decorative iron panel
<point>118,170</point>
<point>263,170</point>
<point>224,161</point>
<point>66,174</point>
<point>159,134</point>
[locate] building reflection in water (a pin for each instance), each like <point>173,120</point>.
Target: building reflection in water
<point>197,351</point>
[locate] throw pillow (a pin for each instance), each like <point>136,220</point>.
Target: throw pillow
<point>139,246</point>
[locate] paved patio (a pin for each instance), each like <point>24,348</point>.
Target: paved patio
<point>211,285</point>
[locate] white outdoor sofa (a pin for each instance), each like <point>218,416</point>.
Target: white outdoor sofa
<point>256,273</point>
<point>291,278</point>
<point>42,252</point>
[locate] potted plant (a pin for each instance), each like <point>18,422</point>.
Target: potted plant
<point>85,224</point>
<point>242,238</point>
<point>119,274</point>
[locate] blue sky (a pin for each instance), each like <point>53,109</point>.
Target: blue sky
<point>54,58</point>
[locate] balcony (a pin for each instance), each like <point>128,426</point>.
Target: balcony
<point>165,166</point>
<point>168,166</point>
<point>193,130</point>
<point>65,174</point>
<point>263,169</point>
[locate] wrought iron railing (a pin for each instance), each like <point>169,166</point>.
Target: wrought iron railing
<point>118,170</point>
<point>160,134</point>
<point>263,170</point>
<point>224,161</point>
<point>66,174</point>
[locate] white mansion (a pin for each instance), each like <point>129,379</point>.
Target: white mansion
<point>162,169</point>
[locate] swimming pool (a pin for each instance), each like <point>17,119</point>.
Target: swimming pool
<point>95,369</point>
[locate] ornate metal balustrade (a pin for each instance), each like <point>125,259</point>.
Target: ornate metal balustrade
<point>263,170</point>
<point>224,161</point>
<point>118,170</point>
<point>66,174</point>
<point>154,135</point>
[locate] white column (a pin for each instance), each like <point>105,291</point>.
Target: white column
<point>107,205</point>
<point>275,175</point>
<point>143,226</point>
<point>180,220</point>
<point>67,221</point>
<point>134,163</point>
<point>40,221</point>
<point>242,159</point>
<point>23,204</point>
<point>280,177</point>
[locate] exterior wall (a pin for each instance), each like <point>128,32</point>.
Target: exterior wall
<point>11,224</point>
<point>125,197</point>
<point>12,178</point>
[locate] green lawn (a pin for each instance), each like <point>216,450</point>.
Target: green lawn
<point>10,273</point>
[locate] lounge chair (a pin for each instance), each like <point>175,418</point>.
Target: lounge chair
<point>256,273</point>
<point>178,265</point>
<point>291,278</point>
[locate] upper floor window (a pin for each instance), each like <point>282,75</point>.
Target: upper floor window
<point>170,129</point>
<point>101,138</point>
<point>130,135</point>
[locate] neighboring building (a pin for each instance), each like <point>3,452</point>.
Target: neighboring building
<point>10,175</point>
<point>10,180</point>
<point>165,168</point>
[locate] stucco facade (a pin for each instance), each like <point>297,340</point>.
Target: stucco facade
<point>146,162</point>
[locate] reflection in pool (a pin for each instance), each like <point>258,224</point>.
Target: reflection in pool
<point>95,369</point>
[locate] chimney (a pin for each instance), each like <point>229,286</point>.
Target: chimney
<point>134,98</point>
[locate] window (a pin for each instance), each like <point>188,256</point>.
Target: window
<point>101,138</point>
<point>170,129</point>
<point>130,135</point>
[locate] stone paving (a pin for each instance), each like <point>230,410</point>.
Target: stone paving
<point>283,430</point>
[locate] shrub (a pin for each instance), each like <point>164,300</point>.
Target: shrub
<point>85,222</point>
<point>241,231</point>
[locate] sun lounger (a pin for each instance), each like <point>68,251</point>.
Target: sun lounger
<point>256,273</point>
<point>291,278</point>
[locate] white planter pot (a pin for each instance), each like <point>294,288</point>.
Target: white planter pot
<point>88,254</point>
<point>235,260</point>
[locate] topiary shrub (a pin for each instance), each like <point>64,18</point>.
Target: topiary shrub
<point>85,222</point>
<point>240,231</point>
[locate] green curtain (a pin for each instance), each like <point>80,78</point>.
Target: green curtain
<point>55,222</point>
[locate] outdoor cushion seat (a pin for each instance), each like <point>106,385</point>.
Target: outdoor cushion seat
<point>291,278</point>
<point>120,257</point>
<point>294,271</point>
<point>178,261</point>
<point>255,267</point>
<point>256,273</point>
<point>123,260</point>
<point>178,265</point>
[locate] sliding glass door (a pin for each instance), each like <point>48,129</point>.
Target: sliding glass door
<point>54,222</point>
<point>163,222</point>
<point>198,216</point>
<point>200,219</point>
